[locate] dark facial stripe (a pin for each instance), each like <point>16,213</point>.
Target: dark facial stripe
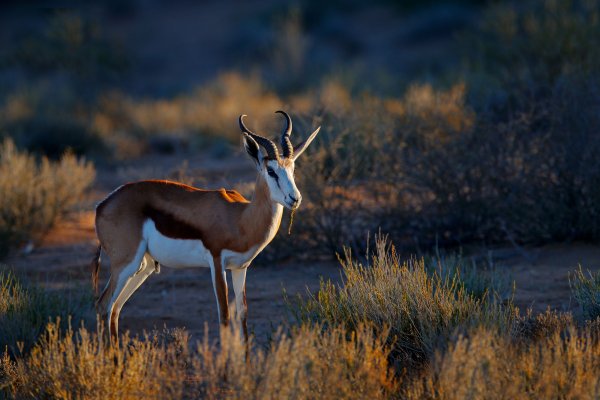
<point>272,173</point>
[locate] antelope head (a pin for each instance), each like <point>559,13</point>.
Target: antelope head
<point>277,170</point>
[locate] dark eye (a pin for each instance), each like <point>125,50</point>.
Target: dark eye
<point>272,173</point>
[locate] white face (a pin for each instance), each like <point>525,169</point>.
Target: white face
<point>280,178</point>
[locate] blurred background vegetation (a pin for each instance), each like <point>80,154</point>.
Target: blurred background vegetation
<point>444,122</point>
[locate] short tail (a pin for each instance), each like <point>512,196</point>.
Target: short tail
<point>95,267</point>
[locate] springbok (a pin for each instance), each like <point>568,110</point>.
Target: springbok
<point>143,225</point>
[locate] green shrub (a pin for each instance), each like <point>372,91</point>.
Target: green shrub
<point>34,195</point>
<point>586,291</point>
<point>525,171</point>
<point>25,310</point>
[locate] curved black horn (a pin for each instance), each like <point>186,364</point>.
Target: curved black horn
<point>286,145</point>
<point>269,146</point>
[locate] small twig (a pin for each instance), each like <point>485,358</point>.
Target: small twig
<point>291,221</point>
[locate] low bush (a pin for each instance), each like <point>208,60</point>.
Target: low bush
<point>49,118</point>
<point>52,136</point>
<point>486,365</point>
<point>525,171</point>
<point>210,112</point>
<point>585,288</point>
<point>355,176</point>
<point>421,307</point>
<point>34,195</point>
<point>308,363</point>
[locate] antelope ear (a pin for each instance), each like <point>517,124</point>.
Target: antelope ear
<point>252,149</point>
<point>299,149</point>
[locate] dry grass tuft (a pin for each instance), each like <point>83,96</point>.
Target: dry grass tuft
<point>80,365</point>
<point>308,363</point>
<point>485,365</point>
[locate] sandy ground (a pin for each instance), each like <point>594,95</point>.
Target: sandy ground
<point>184,298</point>
<point>541,275</point>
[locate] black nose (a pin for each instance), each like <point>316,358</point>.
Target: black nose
<point>293,199</point>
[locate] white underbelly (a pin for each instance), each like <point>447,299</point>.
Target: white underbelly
<point>175,253</point>
<point>185,253</point>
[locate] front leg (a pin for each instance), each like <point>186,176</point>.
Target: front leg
<point>220,286</point>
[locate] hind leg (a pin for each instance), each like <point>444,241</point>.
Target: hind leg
<point>122,273</point>
<point>101,302</point>
<point>133,283</point>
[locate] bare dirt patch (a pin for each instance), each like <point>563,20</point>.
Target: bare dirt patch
<point>541,274</point>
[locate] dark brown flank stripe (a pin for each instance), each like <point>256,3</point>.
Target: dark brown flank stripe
<point>172,227</point>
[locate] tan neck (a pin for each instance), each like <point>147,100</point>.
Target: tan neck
<point>263,215</point>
